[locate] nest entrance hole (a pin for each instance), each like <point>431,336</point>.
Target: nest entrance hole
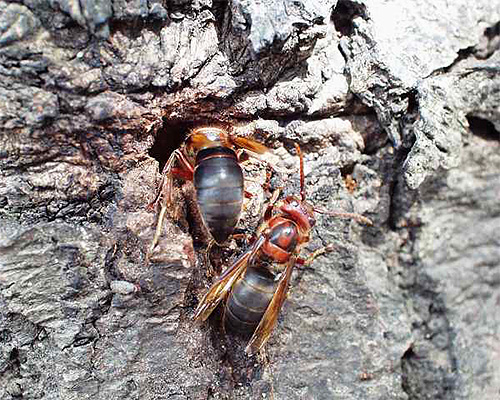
<point>169,138</point>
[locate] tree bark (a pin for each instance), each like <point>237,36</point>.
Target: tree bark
<point>395,106</point>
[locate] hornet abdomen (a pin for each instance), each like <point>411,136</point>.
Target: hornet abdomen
<point>218,180</point>
<point>249,299</point>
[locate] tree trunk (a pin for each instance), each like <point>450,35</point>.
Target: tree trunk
<point>395,105</point>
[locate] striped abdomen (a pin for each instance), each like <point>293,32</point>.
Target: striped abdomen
<point>249,299</point>
<point>218,181</point>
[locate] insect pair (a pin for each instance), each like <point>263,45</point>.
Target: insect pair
<point>255,286</point>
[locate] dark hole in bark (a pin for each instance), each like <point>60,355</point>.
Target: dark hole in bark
<point>343,15</point>
<point>169,138</point>
<point>14,360</point>
<point>14,355</point>
<point>412,102</point>
<point>406,366</point>
<point>492,31</point>
<point>483,128</point>
<point>219,8</point>
<point>463,54</point>
<point>347,170</point>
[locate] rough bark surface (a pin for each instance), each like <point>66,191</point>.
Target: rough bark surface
<point>395,105</point>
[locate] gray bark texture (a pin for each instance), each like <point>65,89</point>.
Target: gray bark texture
<point>396,107</point>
